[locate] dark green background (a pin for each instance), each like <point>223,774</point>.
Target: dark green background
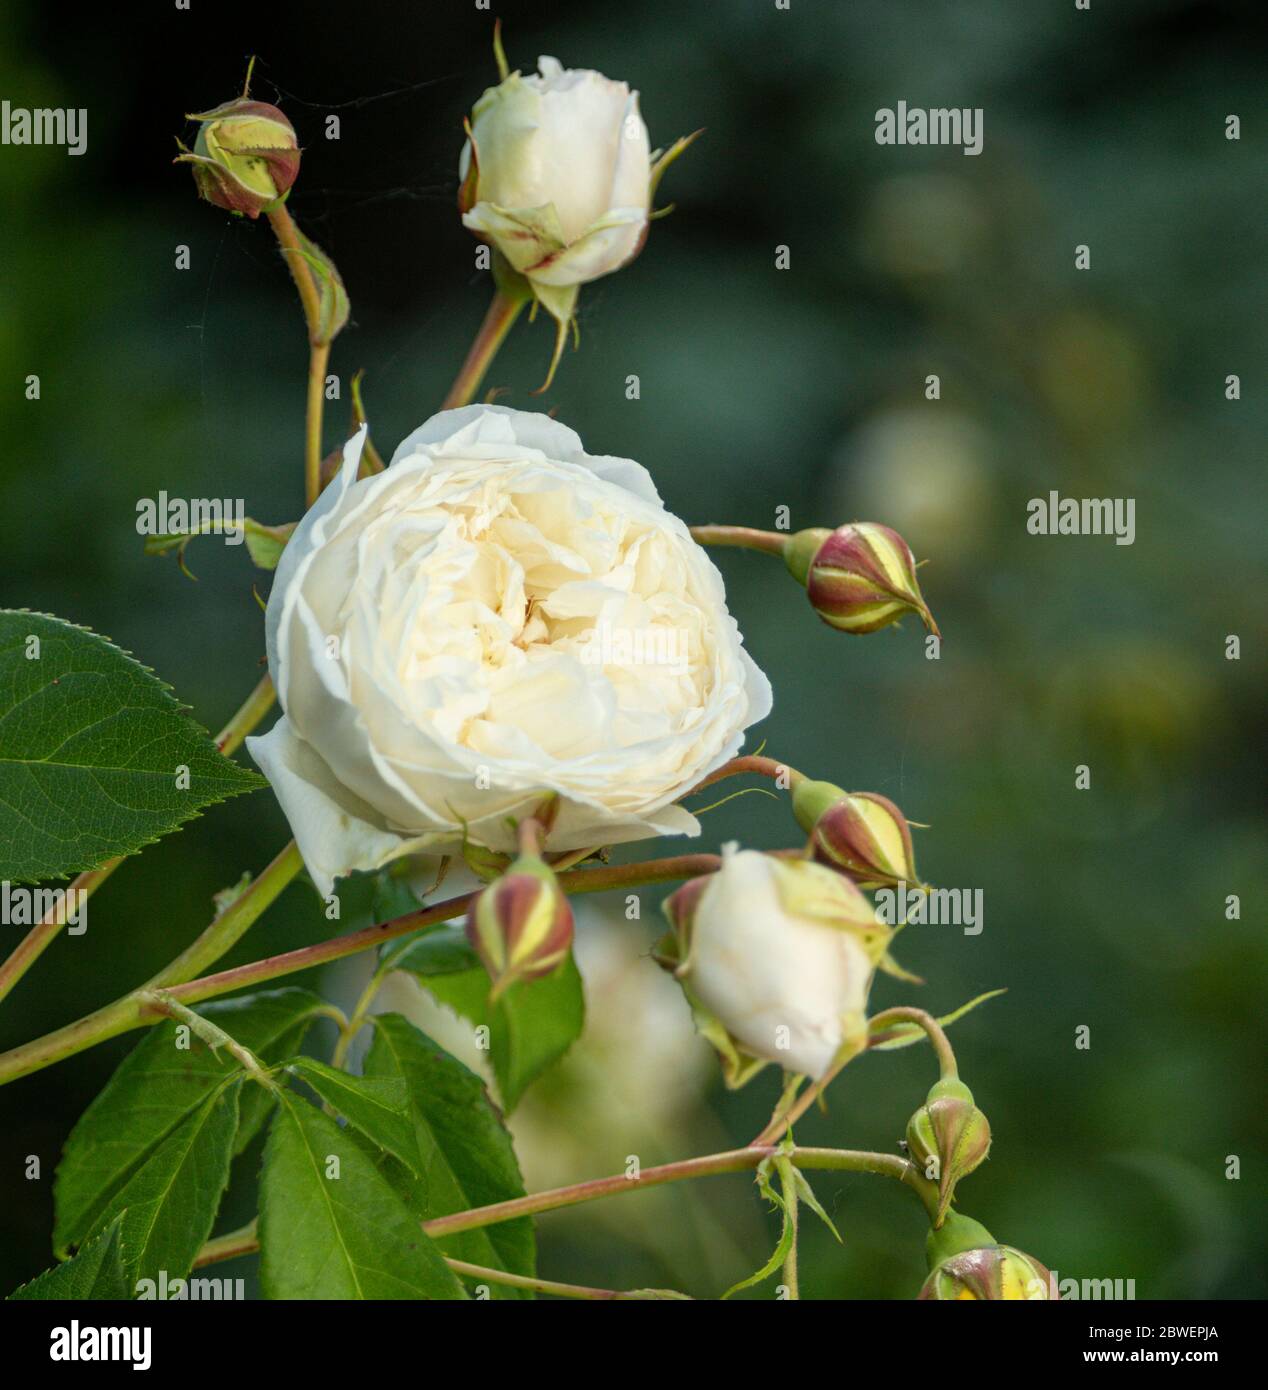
<point>759,388</point>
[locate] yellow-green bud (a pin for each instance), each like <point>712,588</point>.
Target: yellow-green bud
<point>246,156</point>
<point>947,1138</point>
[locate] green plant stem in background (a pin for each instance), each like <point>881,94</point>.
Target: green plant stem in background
<point>227,929</point>
<point>134,1010</point>
<point>37,940</point>
<point>248,715</point>
<point>743,537</point>
<point>131,1011</point>
<point>497,323</point>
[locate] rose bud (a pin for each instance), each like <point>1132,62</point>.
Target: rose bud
<point>952,1132</point>
<point>246,156</point>
<point>862,834</point>
<point>859,577</point>
<point>776,958</point>
<point>558,175</point>
<point>520,925</point>
<point>991,1272</point>
<point>966,1262</point>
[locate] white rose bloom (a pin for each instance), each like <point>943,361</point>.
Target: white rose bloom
<point>562,176</point>
<point>782,954</point>
<point>495,616</point>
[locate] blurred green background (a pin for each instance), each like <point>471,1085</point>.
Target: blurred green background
<point>760,388</point>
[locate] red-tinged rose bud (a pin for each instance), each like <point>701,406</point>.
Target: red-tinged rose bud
<point>859,577</point>
<point>967,1263</point>
<point>862,834</point>
<point>994,1272</point>
<point>245,158</point>
<point>948,1137</point>
<point>521,925</point>
<point>680,911</point>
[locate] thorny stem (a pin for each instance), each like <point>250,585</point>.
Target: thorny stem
<point>789,1187</point>
<point>746,537</point>
<point>37,940</point>
<point>497,323</point>
<point>245,1241</point>
<point>132,1012</point>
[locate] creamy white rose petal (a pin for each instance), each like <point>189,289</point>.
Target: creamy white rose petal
<point>496,616</point>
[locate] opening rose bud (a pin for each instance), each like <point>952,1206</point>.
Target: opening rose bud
<point>521,925</point>
<point>776,958</point>
<point>991,1272</point>
<point>862,834</point>
<point>948,1137</point>
<point>246,156</point>
<point>859,578</point>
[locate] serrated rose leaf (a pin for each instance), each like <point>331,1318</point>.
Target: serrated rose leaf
<point>155,1089</point>
<point>465,1157</point>
<point>97,758</point>
<point>331,1226</point>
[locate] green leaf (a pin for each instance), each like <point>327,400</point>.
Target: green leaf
<point>169,1204</point>
<point>266,543</point>
<point>905,1034</point>
<point>90,747</point>
<point>530,1027</point>
<point>95,1273</point>
<point>465,1157</point>
<point>377,1106</point>
<point>786,1234</point>
<point>337,1237</point>
<point>154,1090</point>
<point>533,1024</point>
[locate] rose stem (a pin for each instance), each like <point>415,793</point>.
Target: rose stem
<point>497,323</point>
<point>244,1242</point>
<point>34,943</point>
<point>768,767</point>
<point>746,537</point>
<point>132,1012</point>
<point>941,1043</point>
<point>318,350</point>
